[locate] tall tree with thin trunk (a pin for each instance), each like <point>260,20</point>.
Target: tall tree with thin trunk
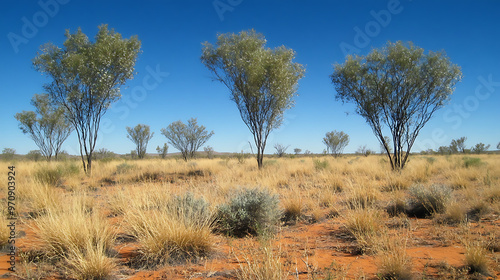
<point>86,79</point>
<point>262,81</point>
<point>398,86</point>
<point>140,135</point>
<point>47,125</point>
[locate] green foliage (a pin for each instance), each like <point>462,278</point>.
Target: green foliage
<point>336,142</point>
<point>399,86</point>
<point>86,79</point>
<point>140,135</point>
<point>210,151</point>
<point>8,153</point>
<point>53,175</point>
<point>458,145</point>
<point>104,155</point>
<point>472,162</point>
<point>34,155</point>
<point>480,148</point>
<point>48,126</point>
<point>262,81</point>
<point>123,168</point>
<point>162,152</point>
<point>250,211</point>
<point>320,165</point>
<point>186,138</point>
<point>241,157</point>
<point>425,201</point>
<point>297,151</point>
<point>189,207</point>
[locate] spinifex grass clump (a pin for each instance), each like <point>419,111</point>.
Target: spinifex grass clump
<point>476,258</point>
<point>262,264</point>
<point>393,260</point>
<point>250,211</point>
<point>364,224</point>
<point>178,231</point>
<point>425,201</point>
<point>80,239</point>
<point>52,175</point>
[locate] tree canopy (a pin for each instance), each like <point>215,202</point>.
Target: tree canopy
<point>86,79</point>
<point>47,125</point>
<point>336,142</point>
<point>262,81</point>
<point>140,135</point>
<point>398,86</point>
<point>186,138</point>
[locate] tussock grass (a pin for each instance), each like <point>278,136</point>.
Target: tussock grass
<point>428,200</point>
<point>80,238</point>
<point>476,258</point>
<point>4,229</point>
<point>393,260</point>
<point>92,262</point>
<point>179,231</point>
<point>364,224</point>
<point>262,264</point>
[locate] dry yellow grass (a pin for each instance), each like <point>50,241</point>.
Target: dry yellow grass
<point>66,213</point>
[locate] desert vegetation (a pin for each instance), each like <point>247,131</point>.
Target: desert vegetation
<point>298,217</point>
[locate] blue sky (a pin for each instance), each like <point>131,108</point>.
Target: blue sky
<point>319,31</point>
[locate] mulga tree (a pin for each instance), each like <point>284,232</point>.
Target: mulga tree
<point>187,138</point>
<point>262,81</point>
<point>335,142</point>
<point>47,126</point>
<point>86,78</point>
<point>140,135</point>
<point>398,86</point>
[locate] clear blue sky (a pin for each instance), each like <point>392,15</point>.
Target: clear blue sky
<point>172,33</point>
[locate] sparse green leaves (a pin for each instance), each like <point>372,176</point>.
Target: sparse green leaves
<point>140,135</point>
<point>398,86</point>
<point>336,142</point>
<point>186,138</point>
<point>262,81</point>
<point>48,126</point>
<point>86,78</point>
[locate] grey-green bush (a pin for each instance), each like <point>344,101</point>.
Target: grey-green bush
<point>250,211</point>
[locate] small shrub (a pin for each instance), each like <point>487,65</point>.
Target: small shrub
<point>250,211</point>
<point>472,162</point>
<point>425,201</point>
<point>48,176</point>
<point>320,165</point>
<point>124,168</point>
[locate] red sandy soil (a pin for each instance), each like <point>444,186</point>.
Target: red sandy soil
<point>306,249</point>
